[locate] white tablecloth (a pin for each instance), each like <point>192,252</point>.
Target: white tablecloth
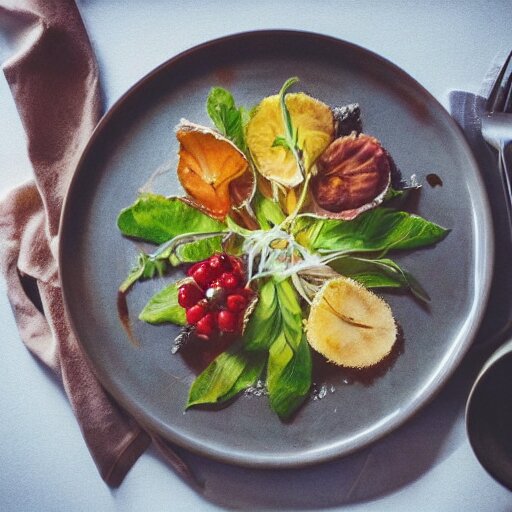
<point>427,465</point>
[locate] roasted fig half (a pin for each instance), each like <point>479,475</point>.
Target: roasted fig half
<point>353,175</point>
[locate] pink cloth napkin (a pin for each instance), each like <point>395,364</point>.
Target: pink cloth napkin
<point>54,81</point>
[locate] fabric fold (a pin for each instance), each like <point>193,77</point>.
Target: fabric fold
<point>54,82</point>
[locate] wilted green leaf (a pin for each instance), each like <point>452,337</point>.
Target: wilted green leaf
<point>231,372</point>
<point>164,307</point>
<point>268,212</point>
<point>157,219</point>
<point>379,273</point>
<point>381,229</point>
<point>226,117</point>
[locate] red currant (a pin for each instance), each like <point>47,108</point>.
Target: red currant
<point>219,262</point>
<point>206,325</point>
<point>229,280</point>
<point>195,313</point>
<point>189,295</point>
<point>236,303</point>
<point>227,321</point>
<point>203,275</point>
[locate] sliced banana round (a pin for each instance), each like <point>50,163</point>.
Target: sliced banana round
<point>350,325</point>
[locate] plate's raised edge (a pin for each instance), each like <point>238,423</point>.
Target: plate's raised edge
<point>484,258</point>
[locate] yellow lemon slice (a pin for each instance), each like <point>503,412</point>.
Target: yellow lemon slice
<point>350,325</point>
<point>315,123</point>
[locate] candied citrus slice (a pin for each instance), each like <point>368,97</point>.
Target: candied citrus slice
<point>350,325</point>
<point>208,164</point>
<point>315,124</point>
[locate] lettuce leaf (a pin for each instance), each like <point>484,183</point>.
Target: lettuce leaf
<point>155,218</point>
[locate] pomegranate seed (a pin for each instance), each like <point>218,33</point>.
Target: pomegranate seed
<point>229,280</point>
<point>219,262</point>
<point>227,321</point>
<point>189,295</point>
<point>203,275</point>
<point>236,303</point>
<point>206,325</point>
<point>238,266</point>
<point>216,283</point>
<point>195,313</point>
<point>193,268</point>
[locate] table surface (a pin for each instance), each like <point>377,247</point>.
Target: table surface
<point>427,464</point>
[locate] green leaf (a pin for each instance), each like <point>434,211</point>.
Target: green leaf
<point>236,228</point>
<point>164,307</point>
<point>291,312</point>
<point>265,321</point>
<point>381,229</point>
<point>288,375</point>
<point>196,251</point>
<point>281,142</point>
<point>157,219</point>
<point>289,134</point>
<point>289,363</point>
<point>146,268</point>
<point>379,273</point>
<point>268,212</point>
<point>227,118</point>
<point>231,372</point>
<point>289,140</point>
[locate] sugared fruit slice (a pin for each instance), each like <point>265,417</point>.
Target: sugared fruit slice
<point>314,122</point>
<point>208,164</point>
<point>350,325</point>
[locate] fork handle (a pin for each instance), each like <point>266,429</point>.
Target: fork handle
<point>505,167</point>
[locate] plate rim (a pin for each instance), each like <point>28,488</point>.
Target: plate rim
<point>483,253</point>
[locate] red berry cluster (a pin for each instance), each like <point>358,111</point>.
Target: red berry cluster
<point>216,299</point>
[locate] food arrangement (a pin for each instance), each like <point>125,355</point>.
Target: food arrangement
<point>288,220</point>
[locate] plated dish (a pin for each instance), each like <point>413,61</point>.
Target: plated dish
<point>341,411</point>
<point>290,215</point>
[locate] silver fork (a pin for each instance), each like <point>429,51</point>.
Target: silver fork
<point>497,126</point>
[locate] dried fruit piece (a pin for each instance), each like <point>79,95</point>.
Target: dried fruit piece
<point>208,164</point>
<point>353,176</point>
<point>314,122</point>
<point>350,325</point>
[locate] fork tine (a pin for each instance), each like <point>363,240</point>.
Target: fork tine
<point>508,102</point>
<point>498,96</point>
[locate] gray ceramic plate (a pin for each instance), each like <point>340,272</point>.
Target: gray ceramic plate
<point>136,137</point>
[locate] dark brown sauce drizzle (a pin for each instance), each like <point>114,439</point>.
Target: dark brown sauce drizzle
<point>124,317</point>
<point>434,180</point>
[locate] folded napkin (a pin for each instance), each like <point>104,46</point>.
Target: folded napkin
<point>467,109</point>
<point>54,80</point>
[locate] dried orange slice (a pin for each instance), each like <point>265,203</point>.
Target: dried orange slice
<point>350,325</point>
<point>208,164</point>
<point>315,124</point>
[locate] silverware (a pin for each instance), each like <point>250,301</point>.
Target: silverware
<point>497,126</point>
<point>489,405</point>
